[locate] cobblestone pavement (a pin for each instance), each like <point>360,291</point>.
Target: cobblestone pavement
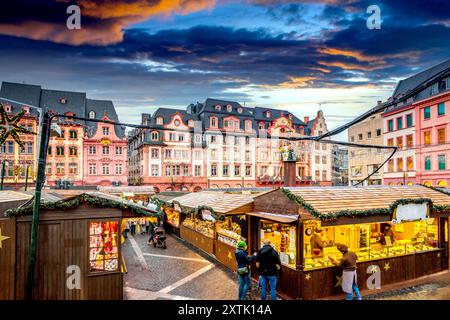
<point>178,272</point>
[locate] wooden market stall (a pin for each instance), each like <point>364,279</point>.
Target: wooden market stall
<point>214,222</point>
<point>137,194</point>
<point>296,219</point>
<point>79,235</point>
<point>172,213</point>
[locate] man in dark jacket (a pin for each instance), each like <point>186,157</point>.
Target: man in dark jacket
<point>268,264</point>
<point>243,261</point>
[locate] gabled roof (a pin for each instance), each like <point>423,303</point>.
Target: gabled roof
<point>260,114</point>
<point>406,85</point>
<point>24,93</point>
<point>210,104</point>
<point>167,113</point>
<point>102,107</point>
<point>75,101</point>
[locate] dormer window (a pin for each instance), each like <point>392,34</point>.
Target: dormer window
<point>92,115</point>
<point>7,108</point>
<point>213,122</point>
<point>159,120</point>
<point>177,123</point>
<point>229,108</point>
<point>63,100</point>
<point>290,116</point>
<point>240,110</point>
<point>248,125</point>
<point>155,136</point>
<point>191,123</point>
<point>268,114</point>
<point>218,107</point>
<point>26,109</point>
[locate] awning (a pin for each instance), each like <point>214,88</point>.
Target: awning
<point>284,218</point>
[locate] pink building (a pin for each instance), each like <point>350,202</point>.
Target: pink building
<point>104,147</point>
<point>433,151</point>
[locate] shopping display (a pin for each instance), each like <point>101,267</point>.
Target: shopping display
<point>103,249</point>
<point>228,231</point>
<point>283,238</point>
<point>204,227</point>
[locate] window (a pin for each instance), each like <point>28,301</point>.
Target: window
<point>409,121</point>
<point>360,136</point>
<point>159,121</point>
<point>248,155</point>
<point>427,163</point>
<point>214,154</point>
<point>229,108</point>
<point>155,135</point>
<point>435,88</point>
<point>378,132</point>
<point>72,168</point>
<point>263,171</point>
<point>72,134</point>
<point>118,168</point>
<point>91,114</point>
<point>352,139</point>
<point>324,175</point>
<point>390,142</point>
<point>155,154</point>
<point>92,150</point>
<point>400,142</point>
<point>186,170</point>
<point>247,140</point>
<point>172,137</point>
<point>59,151</point>
<point>48,169</point>
<point>60,168</point>
<point>213,170</point>
<point>213,122</point>
<point>197,170</point>
<point>390,125</point>
<point>105,150</point>
<point>197,155</point>
<point>27,148</point>
<point>324,159</point>
<point>103,241</point>
<point>237,170</point>
<point>427,113</point>
<point>154,170</point>
<point>441,135</point>
<point>369,134</point>
<point>168,153</point>
<point>317,174</point>
<point>105,169</point>
<point>10,147</point>
<point>409,140</point>
<point>181,137</point>
<point>427,137</point>
<point>105,131</point>
<point>268,114</point>
<point>225,170</point>
<point>49,150</point>
<point>213,139</point>
<point>400,164</point>
<point>248,171</point>
<point>92,168</point>
<point>198,138</point>
<point>217,107</point>
<point>118,150</point>
<point>410,163</point>
<point>239,110</point>
<point>441,109</point>
<point>191,123</point>
<point>73,151</point>
<point>391,165</point>
<point>248,125</point>
<point>441,161</point>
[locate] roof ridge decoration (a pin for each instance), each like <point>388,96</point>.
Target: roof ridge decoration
<point>84,198</point>
<point>363,213</point>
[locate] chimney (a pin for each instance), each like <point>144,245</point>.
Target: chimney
<point>290,178</point>
<point>306,119</point>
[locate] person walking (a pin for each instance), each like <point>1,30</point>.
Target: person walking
<point>151,232</point>
<point>142,225</point>
<point>126,229</point>
<point>268,264</point>
<point>133,227</point>
<point>147,226</point>
<point>243,261</point>
<point>348,265</point>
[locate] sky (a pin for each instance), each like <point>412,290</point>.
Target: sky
<point>301,56</point>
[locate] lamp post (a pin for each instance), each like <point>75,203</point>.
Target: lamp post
<point>3,173</point>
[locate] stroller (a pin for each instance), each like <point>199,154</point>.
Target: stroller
<point>159,238</point>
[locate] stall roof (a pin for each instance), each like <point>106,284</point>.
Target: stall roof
<point>8,196</point>
<point>220,202</point>
<point>283,218</point>
<point>94,198</point>
<point>169,195</point>
<point>128,189</point>
<point>334,199</point>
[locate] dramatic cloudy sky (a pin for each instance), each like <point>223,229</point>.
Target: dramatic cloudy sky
<point>298,55</point>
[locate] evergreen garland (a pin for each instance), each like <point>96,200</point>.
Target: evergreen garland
<point>76,202</point>
<point>360,213</point>
<point>186,210</point>
<point>436,189</point>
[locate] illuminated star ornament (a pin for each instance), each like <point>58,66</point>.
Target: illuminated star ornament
<point>339,281</point>
<point>229,255</point>
<point>2,238</point>
<point>9,126</point>
<point>374,269</point>
<point>387,266</point>
<point>308,276</point>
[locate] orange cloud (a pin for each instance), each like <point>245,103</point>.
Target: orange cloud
<point>354,66</point>
<point>348,53</point>
<point>293,83</point>
<point>112,16</point>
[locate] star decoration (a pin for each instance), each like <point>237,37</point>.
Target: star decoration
<point>243,217</point>
<point>386,266</point>
<point>439,255</point>
<point>2,238</point>
<point>9,126</point>
<point>229,255</point>
<point>339,281</point>
<point>308,276</point>
<point>374,269</point>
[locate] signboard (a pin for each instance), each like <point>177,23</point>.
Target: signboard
<point>206,215</point>
<point>410,212</point>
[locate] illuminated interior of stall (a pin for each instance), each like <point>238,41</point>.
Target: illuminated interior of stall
<point>173,216</point>
<point>232,229</point>
<point>205,227</point>
<point>103,248</point>
<point>370,241</point>
<point>282,236</point>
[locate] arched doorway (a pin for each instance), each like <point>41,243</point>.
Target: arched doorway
<point>197,189</point>
<point>442,184</point>
<point>184,188</point>
<point>169,189</point>
<point>428,183</point>
<point>156,189</point>
<point>238,186</point>
<point>226,186</point>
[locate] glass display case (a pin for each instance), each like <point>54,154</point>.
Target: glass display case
<point>232,229</point>
<point>369,241</point>
<point>103,247</point>
<point>203,226</point>
<point>283,238</point>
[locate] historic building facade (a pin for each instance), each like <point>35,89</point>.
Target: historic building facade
<point>69,160</point>
<point>221,144</point>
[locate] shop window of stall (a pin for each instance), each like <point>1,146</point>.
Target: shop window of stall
<point>283,237</point>
<point>202,223</point>
<point>369,241</point>
<point>173,215</point>
<point>232,229</point>
<point>103,246</point>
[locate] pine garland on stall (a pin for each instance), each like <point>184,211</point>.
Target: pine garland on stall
<point>359,213</point>
<point>76,202</point>
<point>186,210</point>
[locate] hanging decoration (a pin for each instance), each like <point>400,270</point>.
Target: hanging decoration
<point>10,127</point>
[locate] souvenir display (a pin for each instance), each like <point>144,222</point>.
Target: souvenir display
<point>173,217</point>
<point>204,227</point>
<point>228,231</point>
<point>103,249</point>
<point>282,236</point>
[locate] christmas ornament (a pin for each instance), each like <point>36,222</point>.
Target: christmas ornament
<point>9,126</point>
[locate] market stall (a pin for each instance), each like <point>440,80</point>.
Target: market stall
<point>214,222</point>
<point>166,202</point>
<point>399,232</point>
<point>79,234</point>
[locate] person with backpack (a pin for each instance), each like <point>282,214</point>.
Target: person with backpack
<point>243,261</point>
<point>269,265</point>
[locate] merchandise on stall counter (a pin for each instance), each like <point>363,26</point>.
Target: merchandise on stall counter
<point>204,227</point>
<point>282,236</point>
<point>228,232</point>
<point>173,217</point>
<point>103,249</point>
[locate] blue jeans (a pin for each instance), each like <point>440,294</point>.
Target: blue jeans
<point>356,290</point>
<point>244,285</point>
<point>272,284</point>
